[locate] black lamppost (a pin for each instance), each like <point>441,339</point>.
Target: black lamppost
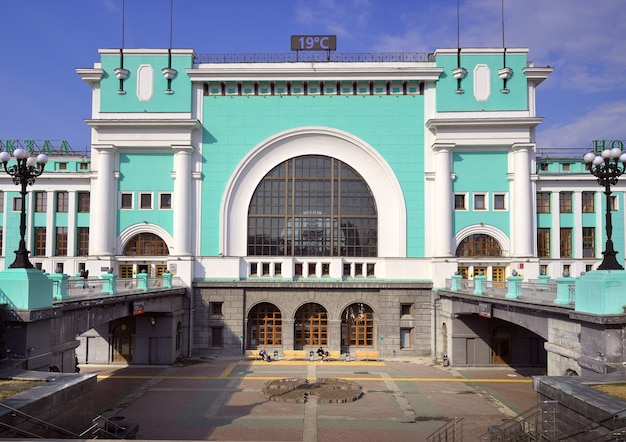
<point>607,167</point>
<point>24,173</point>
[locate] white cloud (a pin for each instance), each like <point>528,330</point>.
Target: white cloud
<point>604,122</point>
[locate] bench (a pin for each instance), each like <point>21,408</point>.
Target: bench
<point>253,354</point>
<point>291,355</point>
<point>333,355</point>
<point>366,355</point>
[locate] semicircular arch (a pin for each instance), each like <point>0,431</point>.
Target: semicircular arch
<point>314,140</point>
<point>132,231</point>
<point>477,229</point>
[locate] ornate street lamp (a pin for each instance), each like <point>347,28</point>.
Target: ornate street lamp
<point>24,173</point>
<point>607,167</point>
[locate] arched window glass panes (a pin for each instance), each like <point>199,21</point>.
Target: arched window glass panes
<point>357,326</point>
<point>146,244</point>
<point>310,326</point>
<point>265,325</point>
<point>312,206</point>
<point>479,245</point>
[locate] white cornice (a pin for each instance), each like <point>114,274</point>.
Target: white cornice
<point>90,75</point>
<point>314,71</point>
<point>187,124</point>
<point>438,123</point>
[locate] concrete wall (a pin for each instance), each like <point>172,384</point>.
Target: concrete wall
<point>64,400</point>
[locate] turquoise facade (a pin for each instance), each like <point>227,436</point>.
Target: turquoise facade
<point>112,101</point>
<point>234,125</point>
<point>448,100</point>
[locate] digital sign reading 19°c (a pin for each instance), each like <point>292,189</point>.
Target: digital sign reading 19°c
<point>313,42</point>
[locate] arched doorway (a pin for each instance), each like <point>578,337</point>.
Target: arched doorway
<point>357,326</point>
<point>265,326</point>
<point>310,326</point>
<point>501,346</point>
<point>122,335</point>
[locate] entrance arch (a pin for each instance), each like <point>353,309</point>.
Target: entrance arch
<point>310,328</point>
<point>265,326</point>
<point>357,326</point>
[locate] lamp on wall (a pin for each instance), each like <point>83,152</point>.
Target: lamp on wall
<point>24,173</point>
<point>153,321</point>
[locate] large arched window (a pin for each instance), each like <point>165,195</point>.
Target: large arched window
<point>145,244</point>
<point>265,325</point>
<point>312,206</point>
<point>310,326</point>
<point>357,326</point>
<point>479,245</point>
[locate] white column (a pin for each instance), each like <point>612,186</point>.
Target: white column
<point>71,224</point>
<point>577,231</point>
<point>443,198</point>
<point>183,215</point>
<point>51,233</point>
<point>555,235</point>
<point>103,205</point>
<point>521,216</point>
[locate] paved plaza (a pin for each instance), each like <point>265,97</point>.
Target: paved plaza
<point>222,399</point>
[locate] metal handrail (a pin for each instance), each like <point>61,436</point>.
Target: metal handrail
<point>450,431</point>
<point>320,56</point>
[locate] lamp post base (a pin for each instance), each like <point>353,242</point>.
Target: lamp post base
<point>610,262</point>
<point>21,259</point>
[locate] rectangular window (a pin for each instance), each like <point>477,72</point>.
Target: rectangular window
<point>543,202</point>
<point>565,202</point>
<point>567,167</point>
<point>278,269</point>
<point>543,243</point>
<point>62,166</point>
<point>1,201</point>
<point>613,203</point>
<point>61,241</point>
<point>254,269</point>
<point>216,337</point>
<point>82,241</point>
<point>216,308</point>
<point>588,202</point>
<point>543,167</point>
<point>406,310</point>
<point>1,239</point>
<point>62,202</point>
<point>480,201</point>
<point>17,203</point>
<point>589,241</point>
<point>371,269</point>
<point>499,201</point>
<point>40,241</point>
<point>566,242</point>
<point>83,202</point>
<point>41,201</point>
<point>165,201</point>
<point>312,270</point>
<point>405,338</point>
<point>83,166</point>
<point>126,201</point>
<point>145,201</point>
<point>459,201</point>
<point>346,269</point>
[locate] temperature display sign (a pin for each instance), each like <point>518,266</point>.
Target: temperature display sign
<point>313,42</point>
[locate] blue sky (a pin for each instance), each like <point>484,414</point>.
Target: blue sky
<point>43,41</point>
